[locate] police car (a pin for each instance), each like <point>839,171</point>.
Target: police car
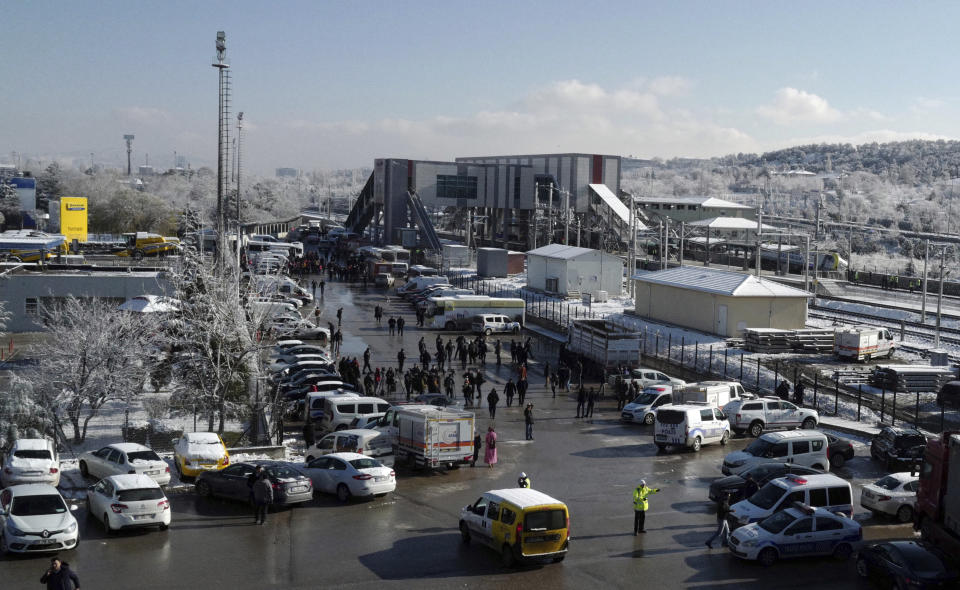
<point>797,531</point>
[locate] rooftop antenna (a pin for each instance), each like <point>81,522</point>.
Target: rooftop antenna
<point>223,142</point>
<point>129,140</point>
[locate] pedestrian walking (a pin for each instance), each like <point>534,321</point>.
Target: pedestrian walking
<point>339,317</point>
<point>477,445</point>
<point>553,384</point>
<point>528,420</point>
<point>521,390</point>
<point>723,527</point>
<point>490,456</point>
<point>401,356</point>
<point>366,360</point>
<point>262,498</point>
<point>400,323</point>
<point>591,399</point>
<point>798,392</point>
<point>492,400</point>
<point>313,284</point>
<point>581,401</point>
<point>640,506</point>
<point>524,481</point>
<point>59,576</point>
<point>509,390</point>
<point>323,284</point>
<point>546,374</point>
<point>392,324</point>
<point>316,317</point>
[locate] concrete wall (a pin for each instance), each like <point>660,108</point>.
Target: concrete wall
<point>41,286</point>
<point>701,311</point>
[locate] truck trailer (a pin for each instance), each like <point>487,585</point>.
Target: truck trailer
<point>938,499</point>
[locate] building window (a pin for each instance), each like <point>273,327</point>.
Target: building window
<point>456,187</point>
<point>32,307</point>
<point>692,207</point>
<point>552,285</point>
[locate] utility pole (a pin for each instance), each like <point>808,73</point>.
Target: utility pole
<point>806,266</point>
<point>666,244</point>
<point>936,339</point>
<point>923,295</point>
<point>566,208</point>
<point>680,257</point>
<point>759,226</point>
<point>536,205</point>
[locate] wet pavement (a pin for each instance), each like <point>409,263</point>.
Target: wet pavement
<point>410,538</point>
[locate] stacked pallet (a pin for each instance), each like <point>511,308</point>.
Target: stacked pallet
<point>767,340</point>
<point>813,340</point>
<point>910,378</point>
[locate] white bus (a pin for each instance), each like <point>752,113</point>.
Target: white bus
<point>288,249</point>
<point>457,312</point>
<point>399,253</point>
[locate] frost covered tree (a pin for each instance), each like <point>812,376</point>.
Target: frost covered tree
<point>94,354</point>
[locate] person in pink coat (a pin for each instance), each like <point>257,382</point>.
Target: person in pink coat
<point>490,455</point>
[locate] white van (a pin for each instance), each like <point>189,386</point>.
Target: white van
<point>690,425</point>
<point>800,447</point>
<point>644,407</point>
<point>371,443</point>
<point>717,393</point>
<point>820,491</point>
<point>339,412</point>
<point>314,401</point>
<point>417,284</point>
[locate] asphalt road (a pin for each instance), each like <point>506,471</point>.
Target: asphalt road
<point>411,537</point>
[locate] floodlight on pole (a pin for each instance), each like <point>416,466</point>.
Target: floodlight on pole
<point>129,139</point>
<point>223,143</point>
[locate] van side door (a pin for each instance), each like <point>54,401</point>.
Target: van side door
<point>475,519</point>
<point>491,524</point>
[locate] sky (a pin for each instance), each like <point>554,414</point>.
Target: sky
<point>326,85</point>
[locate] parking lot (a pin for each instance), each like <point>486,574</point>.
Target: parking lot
<point>411,535</point>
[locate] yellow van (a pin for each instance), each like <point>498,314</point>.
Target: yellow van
<point>522,524</point>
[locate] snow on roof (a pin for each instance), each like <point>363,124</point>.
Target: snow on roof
<point>129,447</point>
<point>721,282</point>
<point>559,251</point>
<point>729,223</point>
<point>702,201</point>
<point>32,444</point>
<point>209,437</point>
<point>133,481</point>
<point>524,497</point>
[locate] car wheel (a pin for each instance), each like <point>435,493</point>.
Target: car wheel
<point>487,331</point>
<point>343,492</point>
<point>756,429</point>
<point>558,559</point>
<point>106,525</point>
<point>843,551</point>
<point>83,469</point>
<point>164,527</point>
<point>176,467</point>
<point>506,557</point>
<point>863,568</point>
<point>767,557</point>
<point>648,419</point>
<point>725,438</point>
<point>662,448</point>
<point>837,461</point>
<point>516,330</point>
<point>203,489</point>
<point>809,424</point>
<point>905,513</point>
<point>696,444</point>
<point>464,533</point>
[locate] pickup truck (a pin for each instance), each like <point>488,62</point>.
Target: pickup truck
<point>768,413</point>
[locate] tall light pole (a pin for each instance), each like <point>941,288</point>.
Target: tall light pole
<point>239,144</point>
<point>223,143</point>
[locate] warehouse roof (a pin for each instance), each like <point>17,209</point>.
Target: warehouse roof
<point>702,201</point>
<point>721,282</point>
<point>728,223</point>
<point>559,251</point>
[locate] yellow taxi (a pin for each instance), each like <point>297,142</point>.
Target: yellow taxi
<point>520,523</point>
<point>196,452</point>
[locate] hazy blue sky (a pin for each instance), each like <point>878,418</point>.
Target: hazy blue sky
<point>326,85</point>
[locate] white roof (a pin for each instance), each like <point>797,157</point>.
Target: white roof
<point>348,456</point>
<point>729,223</point>
<point>132,481</point>
<point>791,434</point>
<point>712,202</point>
<point>524,497</point>
<point>560,251</point>
<point>32,444</point>
<point>721,282</point>
<point>129,447</point>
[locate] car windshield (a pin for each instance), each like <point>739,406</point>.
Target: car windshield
<point>767,496</point>
<point>888,483</point>
<point>32,454</point>
<point>910,440</point>
<point>365,463</point>
<point>645,399</point>
<point>38,505</point>
<point>282,472</point>
<point>777,522</point>
<point>545,520</point>
<point>143,456</point>
<point>758,448</point>
<point>140,495</point>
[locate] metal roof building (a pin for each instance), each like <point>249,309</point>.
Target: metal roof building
<point>717,301</point>
<point>571,271</point>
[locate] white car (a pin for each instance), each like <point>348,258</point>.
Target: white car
<point>895,494</point>
<point>769,413</point>
<point>31,460</point>
<point>281,363</point>
<point>35,518</point>
<point>128,501</point>
<point>490,324</point>
<point>350,474</point>
<point>125,458</point>
<point>797,531</point>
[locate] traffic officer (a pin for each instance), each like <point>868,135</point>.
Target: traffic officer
<point>640,505</point>
<point>523,481</point>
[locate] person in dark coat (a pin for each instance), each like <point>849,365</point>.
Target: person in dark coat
<point>783,390</point>
<point>723,527</point>
<point>60,576</point>
<point>528,421</point>
<point>477,445</point>
<point>510,390</point>
<point>262,498</point>
<point>750,487</point>
<point>492,400</point>
<point>581,401</point>
<point>591,399</point>
<point>798,393</point>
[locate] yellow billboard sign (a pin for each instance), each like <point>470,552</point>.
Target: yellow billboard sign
<point>73,218</point>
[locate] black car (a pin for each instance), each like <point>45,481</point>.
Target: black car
<point>840,450</point>
<point>289,485</point>
<point>906,564</point>
<point>762,473</point>
<point>898,448</point>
